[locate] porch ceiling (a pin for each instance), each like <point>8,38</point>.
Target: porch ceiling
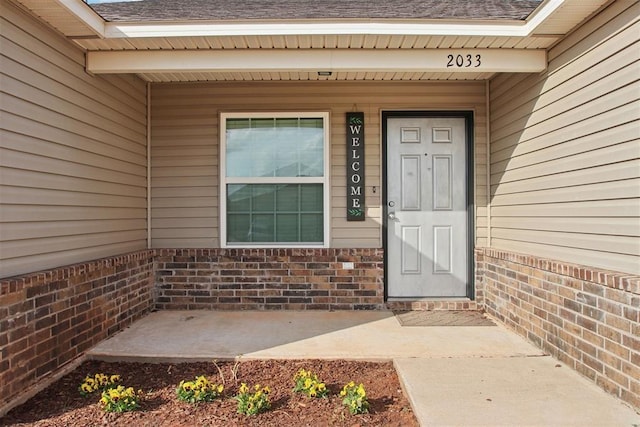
<point>76,20</point>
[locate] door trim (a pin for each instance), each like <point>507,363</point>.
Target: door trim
<point>467,115</point>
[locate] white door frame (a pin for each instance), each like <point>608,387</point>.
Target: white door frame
<point>469,178</point>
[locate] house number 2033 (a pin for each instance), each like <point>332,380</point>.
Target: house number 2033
<point>464,61</point>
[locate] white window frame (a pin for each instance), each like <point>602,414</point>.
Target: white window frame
<point>325,180</point>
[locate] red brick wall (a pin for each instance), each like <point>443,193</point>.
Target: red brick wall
<point>269,279</point>
<point>587,318</point>
<point>50,318</point>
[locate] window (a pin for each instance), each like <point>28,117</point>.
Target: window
<point>274,179</point>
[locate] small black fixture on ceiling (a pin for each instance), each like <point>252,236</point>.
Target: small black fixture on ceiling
<point>325,73</point>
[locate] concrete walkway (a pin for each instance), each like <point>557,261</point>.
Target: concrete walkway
<point>453,376</point>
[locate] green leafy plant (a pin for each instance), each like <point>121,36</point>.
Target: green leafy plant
<point>120,399</point>
<point>198,390</point>
<point>252,401</point>
<point>308,383</point>
<point>97,382</point>
<point>354,397</point>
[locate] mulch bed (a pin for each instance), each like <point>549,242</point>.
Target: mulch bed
<point>62,405</point>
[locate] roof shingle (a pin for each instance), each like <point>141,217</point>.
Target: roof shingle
<point>226,10</point>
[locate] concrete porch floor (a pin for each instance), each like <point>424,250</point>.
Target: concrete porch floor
<point>453,375</point>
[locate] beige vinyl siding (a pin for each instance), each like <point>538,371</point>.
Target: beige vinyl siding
<point>185,148</point>
<point>72,153</point>
<point>565,149</point>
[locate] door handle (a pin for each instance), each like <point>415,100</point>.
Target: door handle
<point>392,216</point>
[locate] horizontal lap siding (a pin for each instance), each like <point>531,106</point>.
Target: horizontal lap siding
<point>73,153</point>
<point>185,164</point>
<point>565,151</point>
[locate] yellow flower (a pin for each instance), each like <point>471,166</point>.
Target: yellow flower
<point>361,391</point>
<point>220,388</point>
<point>243,388</point>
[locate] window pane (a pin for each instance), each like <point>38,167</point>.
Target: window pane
<point>268,213</point>
<point>238,227</point>
<point>260,152</point>
<point>312,122</point>
<point>262,123</point>
<point>287,198</point>
<point>311,198</point>
<point>287,160</point>
<point>289,122</point>
<point>262,228</point>
<point>311,228</point>
<point>238,123</point>
<point>238,198</point>
<point>287,227</point>
<point>312,161</point>
<point>283,147</point>
<point>264,199</point>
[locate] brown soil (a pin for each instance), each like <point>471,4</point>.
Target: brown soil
<point>62,405</point>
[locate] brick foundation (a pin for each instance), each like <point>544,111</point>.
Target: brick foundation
<point>587,318</point>
<point>269,279</point>
<point>49,319</point>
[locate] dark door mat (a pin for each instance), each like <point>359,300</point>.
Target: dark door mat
<point>443,318</point>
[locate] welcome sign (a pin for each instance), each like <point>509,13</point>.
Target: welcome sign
<point>355,167</point>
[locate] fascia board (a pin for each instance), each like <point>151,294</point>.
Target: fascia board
<point>84,13</point>
<point>312,60</point>
<point>126,30</point>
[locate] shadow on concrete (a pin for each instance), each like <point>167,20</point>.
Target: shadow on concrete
<point>173,336</point>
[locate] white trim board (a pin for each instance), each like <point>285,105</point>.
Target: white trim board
<point>312,60</point>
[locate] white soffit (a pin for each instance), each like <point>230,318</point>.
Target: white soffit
<point>355,41</point>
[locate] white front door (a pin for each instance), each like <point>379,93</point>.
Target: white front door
<point>427,231</point>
